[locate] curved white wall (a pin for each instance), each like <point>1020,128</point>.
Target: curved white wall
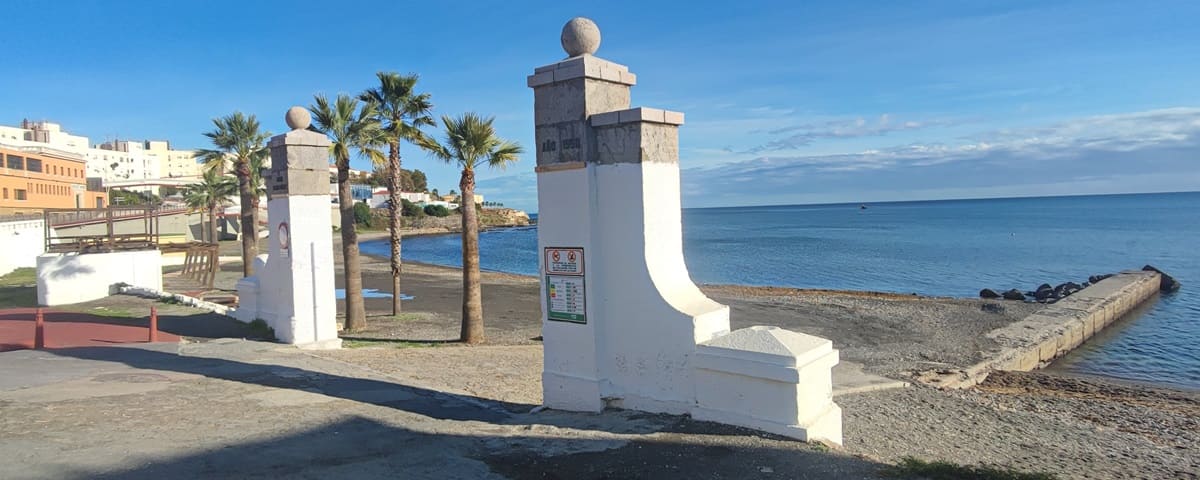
<point>66,278</point>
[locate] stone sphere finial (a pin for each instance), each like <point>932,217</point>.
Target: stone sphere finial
<point>579,36</point>
<point>298,118</point>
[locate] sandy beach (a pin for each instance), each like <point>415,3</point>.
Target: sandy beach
<point>1045,421</point>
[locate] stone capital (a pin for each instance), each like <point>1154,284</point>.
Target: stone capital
<point>305,138</point>
<point>583,66</point>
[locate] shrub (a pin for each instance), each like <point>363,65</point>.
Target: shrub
<point>411,209</point>
<point>436,211</point>
<point>362,214</point>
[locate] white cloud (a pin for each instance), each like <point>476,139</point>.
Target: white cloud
<point>802,135</point>
<point>1109,146</point>
<point>1160,149</point>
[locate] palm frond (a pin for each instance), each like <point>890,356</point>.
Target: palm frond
<point>470,141</point>
<point>352,127</point>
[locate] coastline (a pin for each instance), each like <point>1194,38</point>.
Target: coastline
<point>1041,421</point>
<point>1060,326</point>
<point>1045,420</point>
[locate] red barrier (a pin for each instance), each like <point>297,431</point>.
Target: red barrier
<point>153,324</point>
<point>39,331</point>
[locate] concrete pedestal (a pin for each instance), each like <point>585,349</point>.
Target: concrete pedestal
<point>769,379</point>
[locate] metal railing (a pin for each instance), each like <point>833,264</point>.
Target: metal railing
<point>144,238</point>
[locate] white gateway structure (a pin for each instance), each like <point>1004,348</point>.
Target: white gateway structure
<point>292,289</point>
<point>623,324</point>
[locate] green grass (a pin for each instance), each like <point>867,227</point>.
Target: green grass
<point>21,277</point>
<point>18,289</point>
<point>402,317</point>
<point>910,467</point>
<point>363,343</point>
<point>18,297</point>
<point>260,329</point>
<point>112,312</point>
<point>169,300</point>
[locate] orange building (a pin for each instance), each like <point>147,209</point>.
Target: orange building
<point>33,178</point>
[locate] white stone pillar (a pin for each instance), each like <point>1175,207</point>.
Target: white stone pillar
<point>608,189</point>
<point>294,290</point>
<point>623,325</point>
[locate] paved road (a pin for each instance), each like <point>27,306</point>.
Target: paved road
<point>243,409</point>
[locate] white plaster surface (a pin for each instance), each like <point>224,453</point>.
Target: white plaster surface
<point>66,278</point>
<point>771,379</point>
<point>294,294</point>
<point>653,315</point>
<point>617,196</point>
<point>570,379</point>
<point>21,242</point>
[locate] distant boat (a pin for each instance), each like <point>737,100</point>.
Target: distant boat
<point>862,207</point>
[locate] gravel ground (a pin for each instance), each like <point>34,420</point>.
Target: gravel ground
<point>1033,422</point>
<point>890,334</point>
<point>1070,426</point>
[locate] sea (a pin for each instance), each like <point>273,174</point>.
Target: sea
<point>942,248</point>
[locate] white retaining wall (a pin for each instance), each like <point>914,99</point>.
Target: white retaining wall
<point>66,278</point>
<point>20,244</point>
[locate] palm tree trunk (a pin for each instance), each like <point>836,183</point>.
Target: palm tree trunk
<point>472,321</point>
<point>395,210</point>
<point>212,223</point>
<point>356,315</point>
<point>249,228</point>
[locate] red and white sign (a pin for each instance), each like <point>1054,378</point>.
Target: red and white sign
<point>563,261</point>
<point>284,237</point>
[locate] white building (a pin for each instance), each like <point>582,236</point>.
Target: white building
<point>112,161</point>
<point>174,163</point>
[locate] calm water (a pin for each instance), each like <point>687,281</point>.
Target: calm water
<point>941,248</point>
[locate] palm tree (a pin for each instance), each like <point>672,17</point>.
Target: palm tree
<point>237,138</point>
<point>349,128</point>
<point>213,190</point>
<point>471,142</point>
<point>402,112</point>
<point>258,182</point>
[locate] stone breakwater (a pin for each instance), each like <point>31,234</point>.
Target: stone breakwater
<point>1051,332</point>
<point>1048,294</point>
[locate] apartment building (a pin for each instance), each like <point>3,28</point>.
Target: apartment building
<point>111,161</point>
<point>34,178</point>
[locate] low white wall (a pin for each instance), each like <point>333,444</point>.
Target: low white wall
<point>66,278</point>
<point>20,244</point>
<point>770,379</point>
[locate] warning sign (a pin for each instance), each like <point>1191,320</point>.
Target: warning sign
<point>564,261</point>
<point>565,293</point>
<point>565,298</point>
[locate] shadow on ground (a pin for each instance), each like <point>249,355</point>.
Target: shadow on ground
<point>196,327</point>
<point>364,448</point>
<point>506,441</point>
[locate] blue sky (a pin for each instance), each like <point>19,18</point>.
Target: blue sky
<point>786,102</point>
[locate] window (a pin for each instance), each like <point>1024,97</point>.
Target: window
<point>6,193</point>
<point>33,164</point>
<point>15,162</point>
<point>19,194</point>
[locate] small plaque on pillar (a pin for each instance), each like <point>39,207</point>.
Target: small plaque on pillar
<point>285,238</point>
<point>566,298</point>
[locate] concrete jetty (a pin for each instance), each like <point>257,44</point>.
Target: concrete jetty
<point>1052,332</point>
